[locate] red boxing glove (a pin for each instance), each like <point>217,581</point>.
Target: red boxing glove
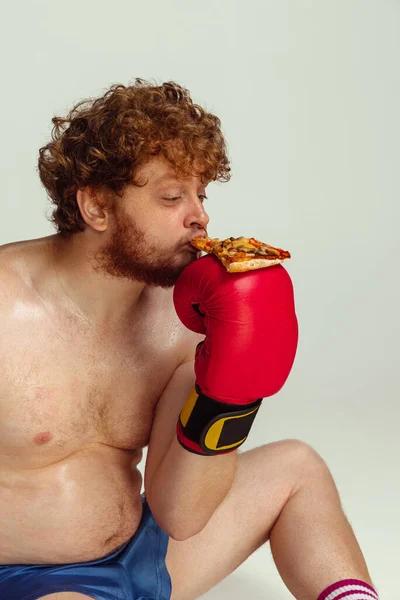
<point>251,340</point>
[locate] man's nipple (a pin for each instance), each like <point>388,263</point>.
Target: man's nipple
<point>42,438</point>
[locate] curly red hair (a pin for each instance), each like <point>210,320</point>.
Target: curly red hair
<point>103,142</point>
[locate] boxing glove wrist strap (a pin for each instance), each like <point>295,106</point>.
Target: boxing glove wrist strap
<point>208,427</point>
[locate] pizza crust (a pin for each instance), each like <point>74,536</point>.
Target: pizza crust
<point>252,265</point>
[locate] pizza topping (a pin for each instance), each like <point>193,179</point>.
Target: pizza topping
<point>241,250</point>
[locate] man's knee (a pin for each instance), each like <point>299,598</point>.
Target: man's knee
<point>304,457</point>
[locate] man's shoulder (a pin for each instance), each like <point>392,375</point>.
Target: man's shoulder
<point>20,259</point>
<point>14,255</point>
<point>11,272</point>
<point>19,262</point>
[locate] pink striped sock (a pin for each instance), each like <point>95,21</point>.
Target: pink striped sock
<point>349,589</point>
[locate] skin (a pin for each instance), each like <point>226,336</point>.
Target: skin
<point>90,343</point>
<point>138,243</point>
<point>91,339</point>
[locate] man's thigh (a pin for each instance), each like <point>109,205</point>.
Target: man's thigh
<point>66,596</point>
<point>265,479</point>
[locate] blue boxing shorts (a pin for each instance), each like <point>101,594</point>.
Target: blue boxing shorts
<point>135,571</point>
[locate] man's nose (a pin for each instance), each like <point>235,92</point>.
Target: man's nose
<point>197,214</point>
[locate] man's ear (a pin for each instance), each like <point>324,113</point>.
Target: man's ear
<point>94,205</point>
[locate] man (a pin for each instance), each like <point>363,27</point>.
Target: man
<point>96,364</point>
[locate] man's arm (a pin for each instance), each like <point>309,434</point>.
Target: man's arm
<point>183,489</point>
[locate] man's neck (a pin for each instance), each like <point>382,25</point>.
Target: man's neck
<point>97,296</point>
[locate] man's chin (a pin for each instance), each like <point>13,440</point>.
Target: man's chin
<point>163,273</point>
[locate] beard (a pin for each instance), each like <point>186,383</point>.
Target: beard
<point>130,255</point>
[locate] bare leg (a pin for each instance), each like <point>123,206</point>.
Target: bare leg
<point>66,596</point>
<point>312,542</point>
<point>282,492</point>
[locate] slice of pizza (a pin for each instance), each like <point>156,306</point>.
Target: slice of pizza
<point>242,254</point>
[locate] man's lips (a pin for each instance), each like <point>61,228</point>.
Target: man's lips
<point>196,237</point>
<point>189,246</point>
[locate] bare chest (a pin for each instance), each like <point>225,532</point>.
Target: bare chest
<point>62,391</point>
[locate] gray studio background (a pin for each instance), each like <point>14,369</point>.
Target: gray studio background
<point>308,94</point>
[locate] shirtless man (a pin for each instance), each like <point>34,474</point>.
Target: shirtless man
<point>96,365</point>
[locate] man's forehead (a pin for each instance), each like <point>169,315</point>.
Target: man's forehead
<point>159,171</point>
<point>158,179</point>
<point>165,177</point>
